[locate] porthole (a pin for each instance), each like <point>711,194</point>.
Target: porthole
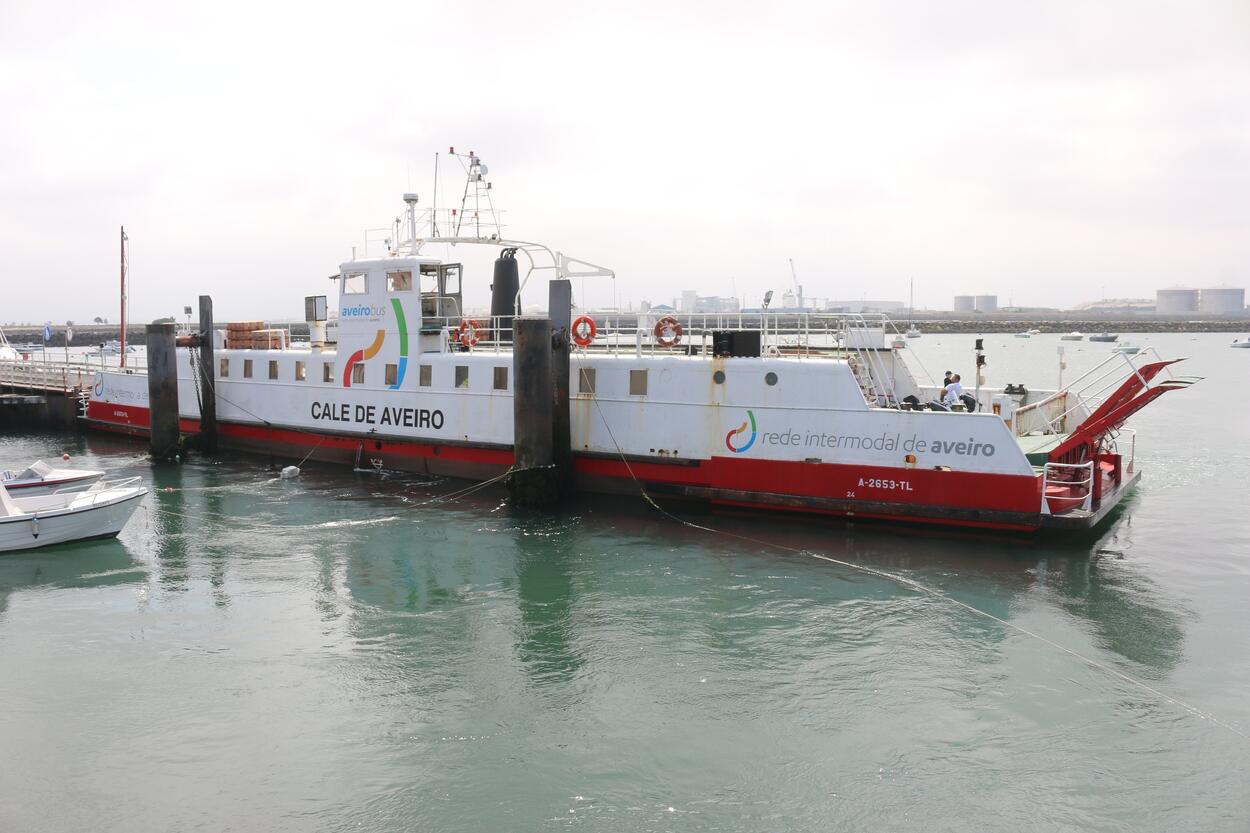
<point>770,378</point>
<point>719,377</point>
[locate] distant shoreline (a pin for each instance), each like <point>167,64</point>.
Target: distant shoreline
<point>86,335</point>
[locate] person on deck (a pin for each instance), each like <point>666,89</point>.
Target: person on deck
<point>952,391</point>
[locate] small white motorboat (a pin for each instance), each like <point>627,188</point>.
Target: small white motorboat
<point>1127,347</point>
<point>42,520</point>
<point>1241,342</point>
<point>1025,334</point>
<point>39,479</point>
<point>1075,335</point>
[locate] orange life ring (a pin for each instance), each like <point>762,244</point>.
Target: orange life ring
<point>470,332</point>
<point>667,331</point>
<point>584,330</point>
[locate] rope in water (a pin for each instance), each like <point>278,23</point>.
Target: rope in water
<point>919,587</point>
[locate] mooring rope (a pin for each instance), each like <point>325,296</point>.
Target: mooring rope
<point>920,587</point>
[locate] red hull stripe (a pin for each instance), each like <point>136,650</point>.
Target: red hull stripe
<point>899,486</point>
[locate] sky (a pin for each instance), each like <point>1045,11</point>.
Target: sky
<point>1049,153</point>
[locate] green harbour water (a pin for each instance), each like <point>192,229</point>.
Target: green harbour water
<point>343,651</point>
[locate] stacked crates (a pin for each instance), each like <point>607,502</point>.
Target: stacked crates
<point>252,335</point>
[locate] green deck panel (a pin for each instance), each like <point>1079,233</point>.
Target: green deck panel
<point>1036,447</point>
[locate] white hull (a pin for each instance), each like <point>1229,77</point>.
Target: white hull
<point>100,517</point>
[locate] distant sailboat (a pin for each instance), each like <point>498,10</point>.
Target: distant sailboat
<point>912,330</point>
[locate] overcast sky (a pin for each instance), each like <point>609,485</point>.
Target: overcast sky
<point>1047,152</point>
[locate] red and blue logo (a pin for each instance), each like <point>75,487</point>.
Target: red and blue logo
<point>738,433</point>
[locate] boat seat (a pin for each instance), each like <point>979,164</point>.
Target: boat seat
<point>7,507</point>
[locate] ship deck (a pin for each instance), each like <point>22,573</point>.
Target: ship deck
<point>1036,447</point>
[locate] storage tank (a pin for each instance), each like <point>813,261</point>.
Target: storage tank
<point>986,303</point>
<point>1173,301</point>
<point>1222,300</point>
<point>965,303</point>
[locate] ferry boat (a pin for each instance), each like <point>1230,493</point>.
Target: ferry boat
<point>790,412</point>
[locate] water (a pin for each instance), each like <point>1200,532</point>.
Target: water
<point>336,653</point>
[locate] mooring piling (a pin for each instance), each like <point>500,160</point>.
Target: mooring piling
<point>208,379</point>
<point>164,437</point>
<point>560,305</point>
<point>535,480</point>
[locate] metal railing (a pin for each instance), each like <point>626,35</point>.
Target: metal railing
<point>47,376</point>
<point>1058,469</point>
<point>1089,390</point>
<point>860,339</point>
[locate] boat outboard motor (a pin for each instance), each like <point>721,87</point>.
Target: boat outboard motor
<point>503,294</point>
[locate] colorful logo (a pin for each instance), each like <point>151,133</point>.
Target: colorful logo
<point>372,350</point>
<point>739,432</point>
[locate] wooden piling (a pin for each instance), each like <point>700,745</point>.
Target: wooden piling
<point>560,306</point>
<point>163,391</point>
<point>534,480</point>
<point>208,379</point>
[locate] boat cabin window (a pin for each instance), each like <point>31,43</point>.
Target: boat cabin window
<point>462,375</point>
<point>327,372</point>
<point>586,380</point>
<point>429,279</point>
<point>299,371</point>
<point>425,375</point>
<point>399,281</point>
<point>637,383</point>
<point>224,370</point>
<point>355,284</point>
<point>247,368</point>
<point>392,374</point>
<point>501,378</point>
<point>358,374</point>
<point>273,369</point>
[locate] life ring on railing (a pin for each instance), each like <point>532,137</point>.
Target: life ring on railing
<point>584,330</point>
<point>470,332</point>
<point>667,331</point>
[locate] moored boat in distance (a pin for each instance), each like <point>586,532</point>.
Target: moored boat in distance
<point>41,478</point>
<point>1072,336</point>
<point>1127,347</point>
<point>1241,342</point>
<point>782,411</point>
<point>1108,337</point>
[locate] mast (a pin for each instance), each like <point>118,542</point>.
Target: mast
<point>911,303</point>
<point>123,295</point>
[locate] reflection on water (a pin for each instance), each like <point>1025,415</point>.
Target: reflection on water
<point>545,598</point>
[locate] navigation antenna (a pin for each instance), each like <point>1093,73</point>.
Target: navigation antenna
<point>476,192</point>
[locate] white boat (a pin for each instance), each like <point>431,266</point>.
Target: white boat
<point>39,478</point>
<point>1241,342</point>
<point>786,410</point>
<point>912,330</point>
<point>43,520</point>
<point>7,352</point>
<point>112,348</point>
<point>1127,347</point>
<point>1025,334</point>
<point>1075,335</point>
